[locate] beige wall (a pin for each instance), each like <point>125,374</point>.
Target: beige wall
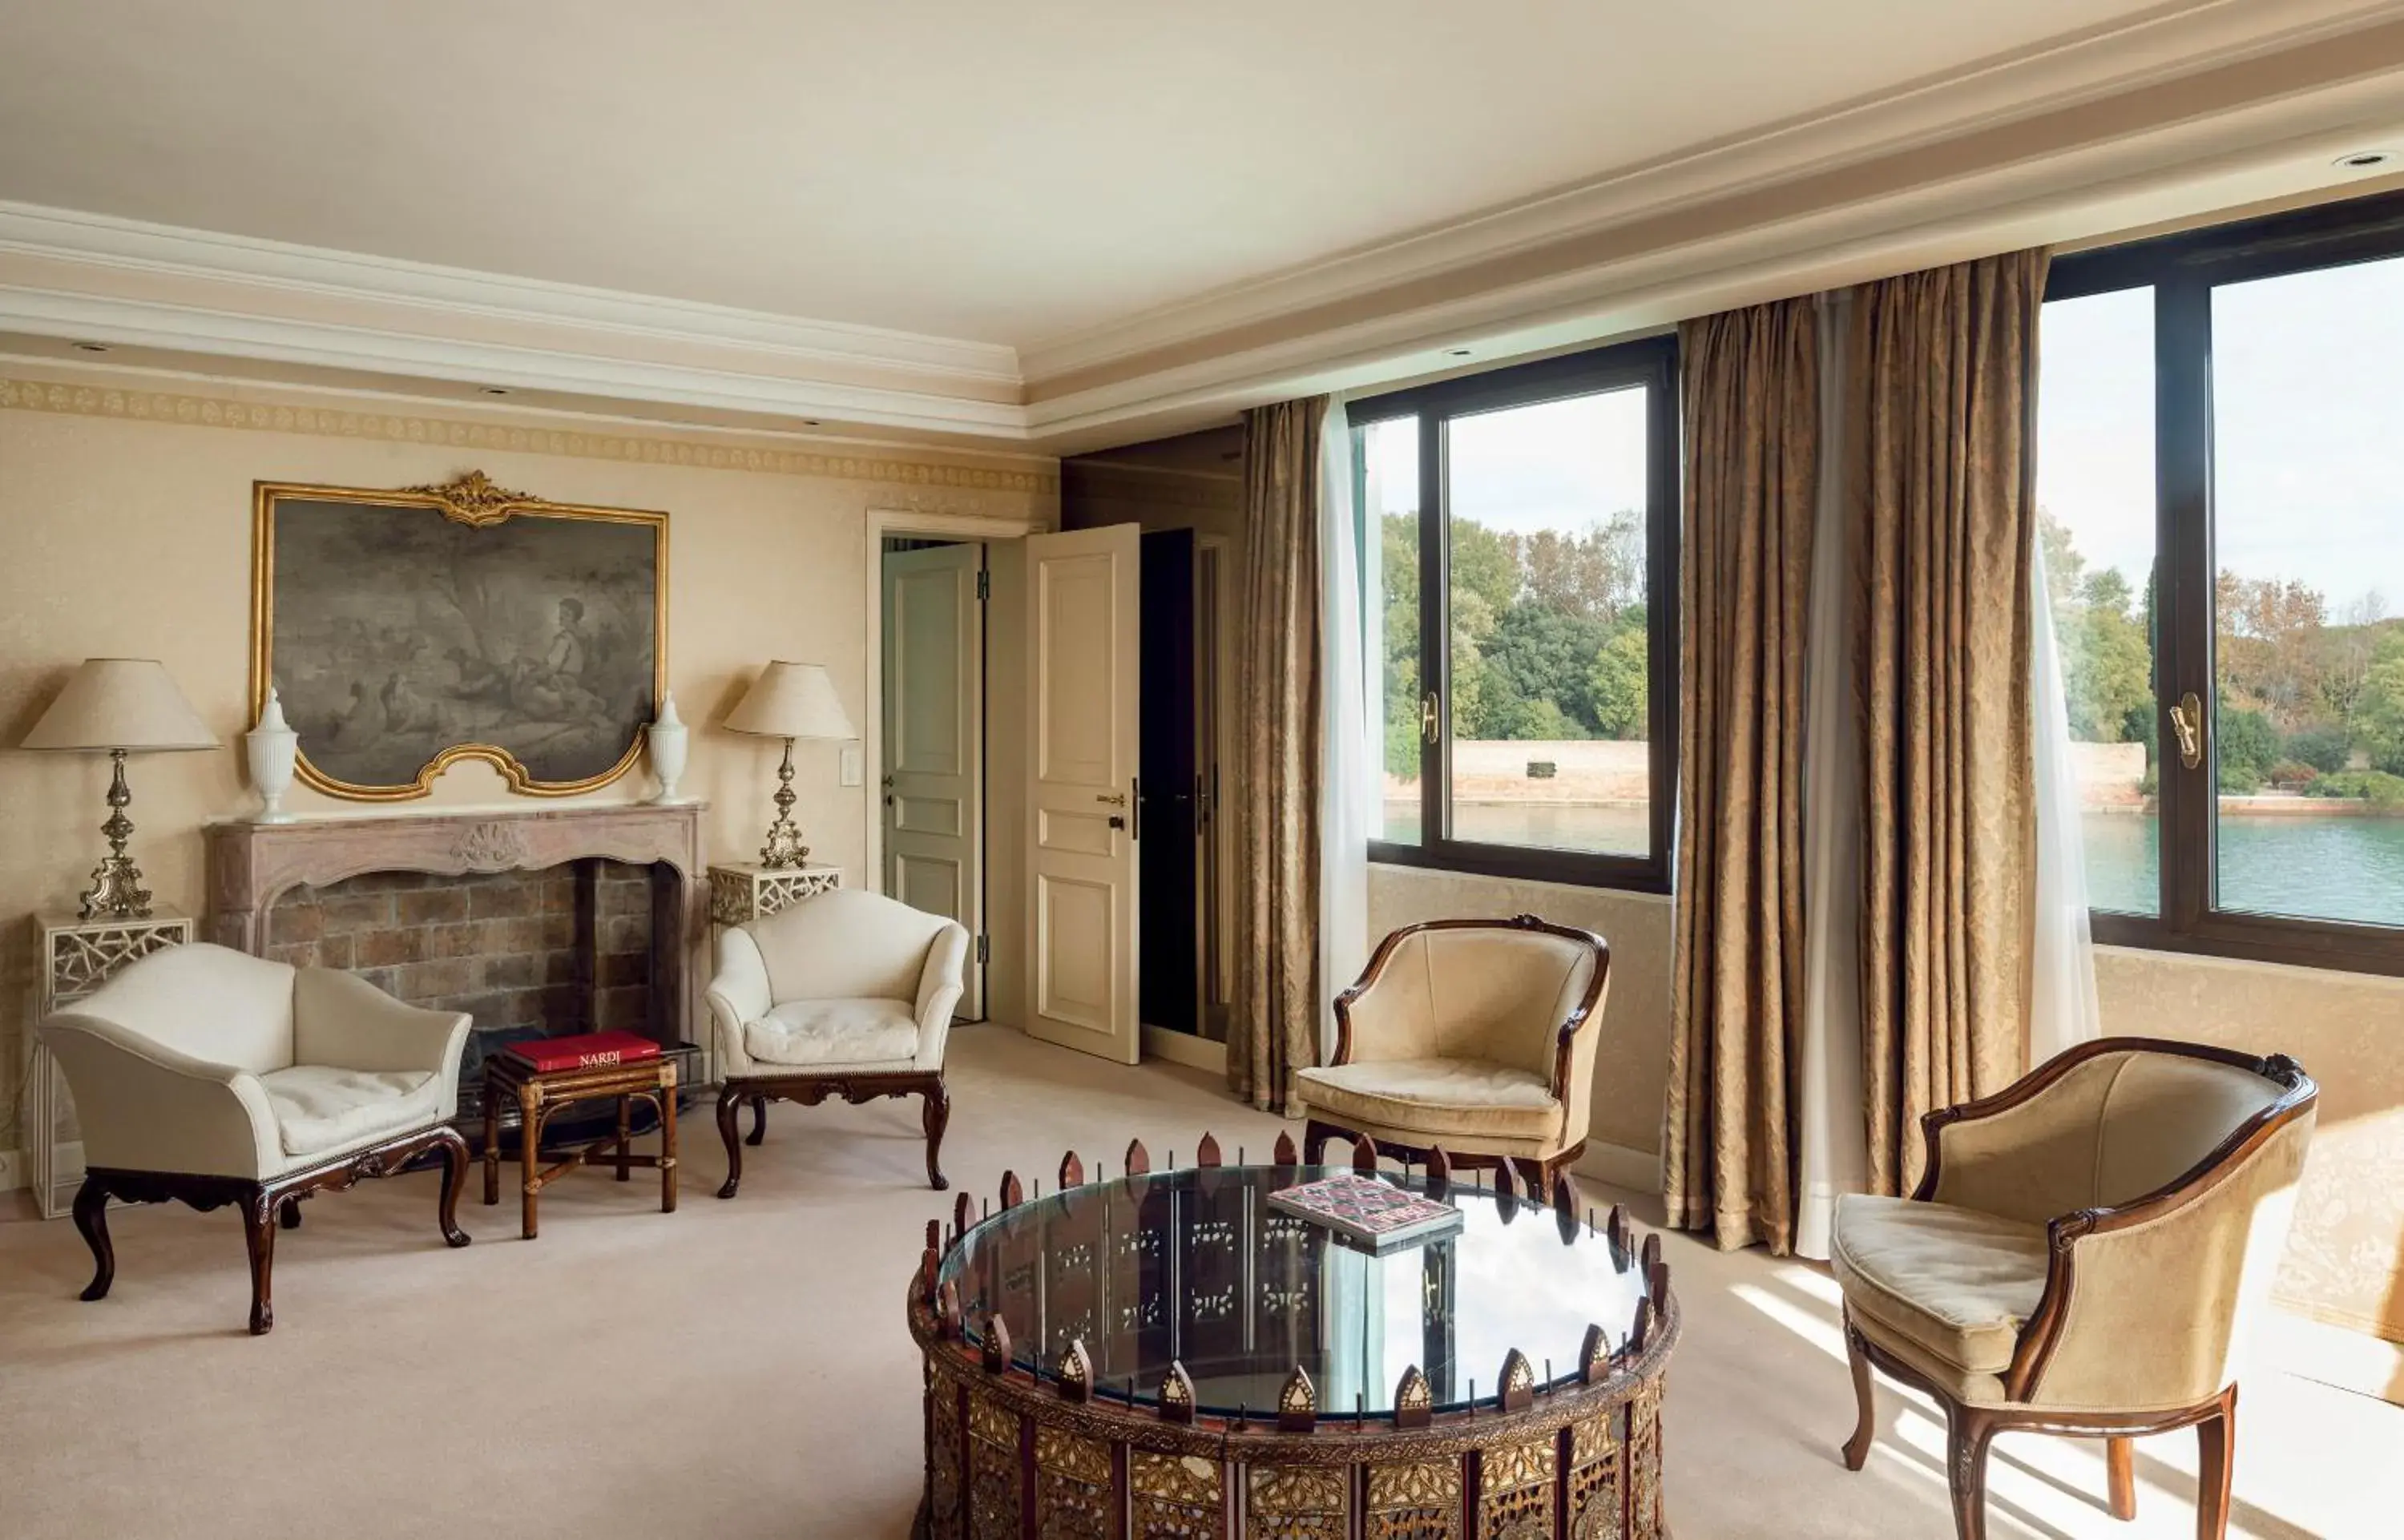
<point>125,517</point>
<point>2345,1259</point>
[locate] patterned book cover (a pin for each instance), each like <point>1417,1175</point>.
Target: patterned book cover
<point>1372,1213</point>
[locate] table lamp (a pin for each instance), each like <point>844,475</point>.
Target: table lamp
<point>788,701</point>
<point>123,705</point>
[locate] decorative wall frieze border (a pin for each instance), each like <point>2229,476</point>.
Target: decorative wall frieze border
<point>192,410</point>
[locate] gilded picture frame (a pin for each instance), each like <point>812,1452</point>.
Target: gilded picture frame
<point>406,631</point>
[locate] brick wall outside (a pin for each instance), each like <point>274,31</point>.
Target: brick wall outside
<point>526,954</point>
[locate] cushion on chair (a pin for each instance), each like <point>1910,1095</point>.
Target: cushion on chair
<point>1437,1096</point>
<point>318,1108</point>
<point>1958,1283</point>
<point>833,1031</point>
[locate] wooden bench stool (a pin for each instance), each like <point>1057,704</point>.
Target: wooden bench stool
<point>540,1093</point>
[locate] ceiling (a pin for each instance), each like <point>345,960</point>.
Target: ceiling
<point>1066,183</point>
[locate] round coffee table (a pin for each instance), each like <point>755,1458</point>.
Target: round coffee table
<point>1168,1356</point>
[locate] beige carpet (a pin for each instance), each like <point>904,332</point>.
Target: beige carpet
<point>740,1369</point>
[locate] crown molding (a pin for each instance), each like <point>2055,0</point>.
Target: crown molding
<point>105,241</point>
<point>2181,38</point>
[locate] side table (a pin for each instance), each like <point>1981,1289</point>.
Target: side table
<point>742,891</point>
<point>78,956</point>
<point>538,1093</point>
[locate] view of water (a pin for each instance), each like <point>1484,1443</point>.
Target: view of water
<point>2317,867</point>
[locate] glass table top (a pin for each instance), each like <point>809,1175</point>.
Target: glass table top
<point>1196,1266</point>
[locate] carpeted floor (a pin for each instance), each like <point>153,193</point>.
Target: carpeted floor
<point>740,1369</point>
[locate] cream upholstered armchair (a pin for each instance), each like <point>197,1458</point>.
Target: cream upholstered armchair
<point>2084,1255</point>
<point>1477,1035</point>
<point>209,1076</point>
<point>844,994</point>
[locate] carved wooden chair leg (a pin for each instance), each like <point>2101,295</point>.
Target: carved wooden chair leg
<point>91,1219</point>
<point>729,1100</point>
<point>2216,1460</point>
<point>258,1235</point>
<point>1857,1448</point>
<point>759,1121</point>
<point>455,1176</point>
<point>1315,1136</point>
<point>1967,1434</point>
<point>2121,1468</point>
<point>934,1118</point>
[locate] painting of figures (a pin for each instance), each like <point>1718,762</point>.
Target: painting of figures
<point>407,630</point>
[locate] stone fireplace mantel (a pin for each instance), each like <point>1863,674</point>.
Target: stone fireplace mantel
<point>250,865</point>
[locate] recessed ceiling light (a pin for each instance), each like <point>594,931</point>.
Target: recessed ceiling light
<point>92,347</point>
<point>2363,159</point>
<point>1456,353</point>
<point>493,390</point>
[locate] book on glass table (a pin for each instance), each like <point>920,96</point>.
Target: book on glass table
<point>1372,1215</point>
<point>590,1051</point>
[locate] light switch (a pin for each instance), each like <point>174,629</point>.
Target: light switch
<point>851,767</point>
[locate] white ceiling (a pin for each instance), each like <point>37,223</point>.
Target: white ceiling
<point>1008,174</point>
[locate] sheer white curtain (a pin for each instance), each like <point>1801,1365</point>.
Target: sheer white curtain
<point>1832,1156</point>
<point>1348,790</point>
<point>2063,1009</point>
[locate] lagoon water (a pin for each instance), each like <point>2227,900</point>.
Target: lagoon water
<point>2317,867</point>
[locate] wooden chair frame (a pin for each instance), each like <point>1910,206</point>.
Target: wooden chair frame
<point>1969,1429</point>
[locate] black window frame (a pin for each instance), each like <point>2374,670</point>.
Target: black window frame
<point>1651,362</point>
<point>2181,269</point>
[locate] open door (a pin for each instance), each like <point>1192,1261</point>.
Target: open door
<point>1084,650</point>
<point>934,738</point>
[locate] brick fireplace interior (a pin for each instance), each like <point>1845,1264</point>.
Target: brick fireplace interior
<point>564,948</point>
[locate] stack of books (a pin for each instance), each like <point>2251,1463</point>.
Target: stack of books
<point>1372,1215</point>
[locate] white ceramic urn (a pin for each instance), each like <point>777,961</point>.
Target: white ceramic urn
<point>670,741</point>
<point>272,747</point>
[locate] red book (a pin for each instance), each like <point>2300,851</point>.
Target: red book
<point>591,1051</point>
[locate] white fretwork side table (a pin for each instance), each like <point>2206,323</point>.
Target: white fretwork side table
<point>739,893</point>
<point>78,956</point>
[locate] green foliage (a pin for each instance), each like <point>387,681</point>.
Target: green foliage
<point>2107,664</point>
<point>2379,712</point>
<point>2376,787</point>
<point>2292,775</point>
<point>1619,685</point>
<point>2248,746</point>
<point>2324,748</point>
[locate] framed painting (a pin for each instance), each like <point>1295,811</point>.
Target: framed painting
<point>405,630</point>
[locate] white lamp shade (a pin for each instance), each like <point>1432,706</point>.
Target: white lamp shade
<point>792,700</point>
<point>120,703</point>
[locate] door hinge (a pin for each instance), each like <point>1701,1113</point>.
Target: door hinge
<point>985,585</point>
<point>984,949</point>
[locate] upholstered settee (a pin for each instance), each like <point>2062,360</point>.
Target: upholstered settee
<point>209,1076</point>
<point>2085,1254</point>
<point>1477,1035</point>
<point>845,993</point>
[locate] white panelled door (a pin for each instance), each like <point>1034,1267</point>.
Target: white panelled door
<point>934,741</point>
<point>1084,649</point>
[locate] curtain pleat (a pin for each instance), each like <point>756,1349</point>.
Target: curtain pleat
<point>1941,407</point>
<point>1752,429</point>
<point>1273,1030</point>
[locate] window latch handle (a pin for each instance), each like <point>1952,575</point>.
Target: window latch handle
<point>1429,729</point>
<point>2186,721</point>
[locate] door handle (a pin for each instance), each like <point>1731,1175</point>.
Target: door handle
<point>2186,721</point>
<point>1114,800</point>
<point>1430,707</point>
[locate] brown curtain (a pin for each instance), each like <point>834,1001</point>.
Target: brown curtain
<point>1275,1027</point>
<point>1753,438</point>
<point>1941,395</point>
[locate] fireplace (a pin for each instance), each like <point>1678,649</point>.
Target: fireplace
<point>535,923</point>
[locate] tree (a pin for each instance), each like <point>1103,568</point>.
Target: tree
<point>1619,683</point>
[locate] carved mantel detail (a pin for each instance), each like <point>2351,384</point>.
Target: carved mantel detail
<point>250,865</point>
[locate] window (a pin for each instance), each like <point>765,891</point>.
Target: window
<point>2221,494</point>
<point>1518,595</point>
